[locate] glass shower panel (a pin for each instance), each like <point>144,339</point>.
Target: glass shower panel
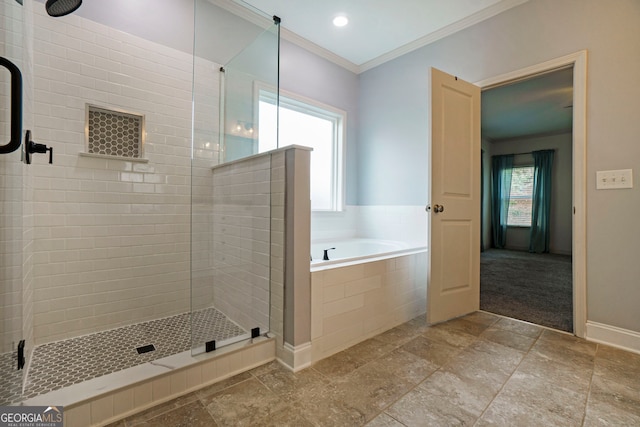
<point>244,77</point>
<point>231,201</point>
<point>11,209</point>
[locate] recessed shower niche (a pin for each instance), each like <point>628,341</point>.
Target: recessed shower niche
<point>111,132</point>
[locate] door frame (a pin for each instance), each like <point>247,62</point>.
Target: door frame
<point>578,61</point>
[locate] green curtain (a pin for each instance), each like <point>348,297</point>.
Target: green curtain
<point>501,167</point>
<point>541,208</point>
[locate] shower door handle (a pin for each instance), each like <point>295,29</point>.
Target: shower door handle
<point>16,107</point>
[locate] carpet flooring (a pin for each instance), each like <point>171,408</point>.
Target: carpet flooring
<point>536,288</point>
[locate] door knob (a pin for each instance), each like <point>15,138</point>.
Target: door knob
<point>438,208</point>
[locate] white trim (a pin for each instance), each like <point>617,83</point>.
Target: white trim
<point>266,153</point>
<point>292,37</point>
<point>296,358</point>
<point>579,62</point>
<point>251,15</point>
<point>613,336</point>
<point>110,157</point>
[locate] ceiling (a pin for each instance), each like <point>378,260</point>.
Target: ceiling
<point>381,30</point>
<point>378,30</point>
<point>541,105</point>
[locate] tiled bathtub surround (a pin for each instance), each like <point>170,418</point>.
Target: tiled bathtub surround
<point>352,303</point>
<point>63,363</point>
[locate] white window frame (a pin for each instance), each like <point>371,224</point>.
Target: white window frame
<point>305,105</point>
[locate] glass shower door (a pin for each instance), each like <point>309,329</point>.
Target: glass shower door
<point>11,188</point>
<point>231,193</point>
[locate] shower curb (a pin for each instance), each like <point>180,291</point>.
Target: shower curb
<point>108,399</point>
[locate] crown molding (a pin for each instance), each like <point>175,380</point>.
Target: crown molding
<point>251,15</point>
<point>318,50</point>
<point>262,20</point>
<point>443,32</point>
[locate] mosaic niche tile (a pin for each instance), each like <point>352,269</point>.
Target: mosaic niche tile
<point>114,133</point>
<point>72,361</point>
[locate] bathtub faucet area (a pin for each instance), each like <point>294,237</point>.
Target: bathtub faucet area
<point>326,254</point>
<point>350,250</point>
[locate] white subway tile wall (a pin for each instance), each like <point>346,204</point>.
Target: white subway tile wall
<point>27,195</point>
<point>11,207</point>
<point>242,240</point>
<point>403,223</point>
<point>205,154</point>
<point>16,220</point>
<point>111,237</point>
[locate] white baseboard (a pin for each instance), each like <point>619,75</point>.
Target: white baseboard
<point>613,336</point>
<point>296,358</point>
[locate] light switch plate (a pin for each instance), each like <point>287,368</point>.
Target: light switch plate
<point>613,180</point>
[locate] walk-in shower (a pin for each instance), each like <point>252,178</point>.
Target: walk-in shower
<point>114,260</point>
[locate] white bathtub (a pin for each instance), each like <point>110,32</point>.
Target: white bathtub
<point>356,250</point>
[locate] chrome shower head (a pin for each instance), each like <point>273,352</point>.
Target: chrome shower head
<point>58,8</point>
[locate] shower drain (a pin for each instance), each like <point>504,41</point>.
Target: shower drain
<point>145,349</point>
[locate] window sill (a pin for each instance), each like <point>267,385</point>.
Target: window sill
<point>518,226</point>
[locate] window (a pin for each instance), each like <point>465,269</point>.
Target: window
<point>305,122</point>
<point>520,199</point>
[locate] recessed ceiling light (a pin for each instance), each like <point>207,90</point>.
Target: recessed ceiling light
<point>340,21</point>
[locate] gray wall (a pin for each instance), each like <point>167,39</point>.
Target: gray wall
<point>394,112</point>
<point>560,221</point>
<point>168,22</point>
<point>309,75</point>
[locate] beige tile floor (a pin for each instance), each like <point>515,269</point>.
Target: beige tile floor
<point>477,370</point>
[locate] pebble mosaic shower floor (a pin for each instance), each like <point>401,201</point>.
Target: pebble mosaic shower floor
<point>63,363</point>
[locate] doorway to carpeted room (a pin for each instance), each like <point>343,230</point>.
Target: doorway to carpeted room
<point>536,288</point>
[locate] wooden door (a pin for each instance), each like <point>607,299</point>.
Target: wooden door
<point>454,274</point>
